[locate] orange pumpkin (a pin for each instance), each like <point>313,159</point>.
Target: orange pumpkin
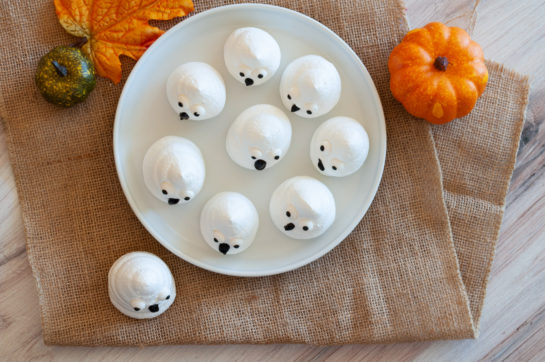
<point>437,73</point>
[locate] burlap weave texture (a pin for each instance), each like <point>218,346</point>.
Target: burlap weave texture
<point>414,269</point>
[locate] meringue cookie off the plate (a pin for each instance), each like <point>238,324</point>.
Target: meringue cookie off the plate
<point>174,170</point>
<point>229,222</point>
<point>140,285</point>
<point>259,137</point>
<point>302,207</point>
<point>196,91</point>
<point>310,86</point>
<point>251,55</point>
<point>339,147</point>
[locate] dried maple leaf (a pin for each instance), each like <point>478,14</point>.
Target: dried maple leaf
<point>117,27</point>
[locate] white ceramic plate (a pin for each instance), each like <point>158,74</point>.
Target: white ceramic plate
<point>144,115</point>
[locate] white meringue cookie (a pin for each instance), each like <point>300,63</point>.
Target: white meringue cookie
<point>174,170</point>
<point>251,55</point>
<point>259,137</point>
<point>310,86</point>
<point>229,222</point>
<point>302,207</point>
<point>141,285</point>
<point>196,91</point>
<point>339,146</point>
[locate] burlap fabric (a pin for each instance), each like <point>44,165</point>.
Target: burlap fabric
<point>414,269</point>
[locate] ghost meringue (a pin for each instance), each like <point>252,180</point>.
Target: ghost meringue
<point>174,170</point>
<point>302,207</point>
<point>310,86</point>
<point>140,285</point>
<point>196,91</point>
<point>229,222</point>
<point>251,55</point>
<point>259,137</point>
<point>339,147</point>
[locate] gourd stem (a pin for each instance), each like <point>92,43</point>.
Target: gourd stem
<point>441,63</point>
<point>61,69</point>
<point>81,42</point>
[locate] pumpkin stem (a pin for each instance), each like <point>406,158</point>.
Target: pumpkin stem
<point>81,42</point>
<point>441,63</point>
<point>61,69</point>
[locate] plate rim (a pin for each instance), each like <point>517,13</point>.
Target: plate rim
<point>381,128</point>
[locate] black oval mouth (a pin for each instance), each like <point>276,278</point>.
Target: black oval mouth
<point>289,226</point>
<point>224,248</point>
<point>184,116</point>
<point>248,81</point>
<point>294,108</point>
<point>154,308</point>
<point>260,164</point>
<point>321,165</point>
<point>173,201</point>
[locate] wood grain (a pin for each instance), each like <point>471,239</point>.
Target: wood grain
<point>513,318</point>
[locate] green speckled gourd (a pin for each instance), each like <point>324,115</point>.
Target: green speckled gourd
<point>65,76</point>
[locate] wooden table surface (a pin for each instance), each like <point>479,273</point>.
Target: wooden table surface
<point>513,318</point>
